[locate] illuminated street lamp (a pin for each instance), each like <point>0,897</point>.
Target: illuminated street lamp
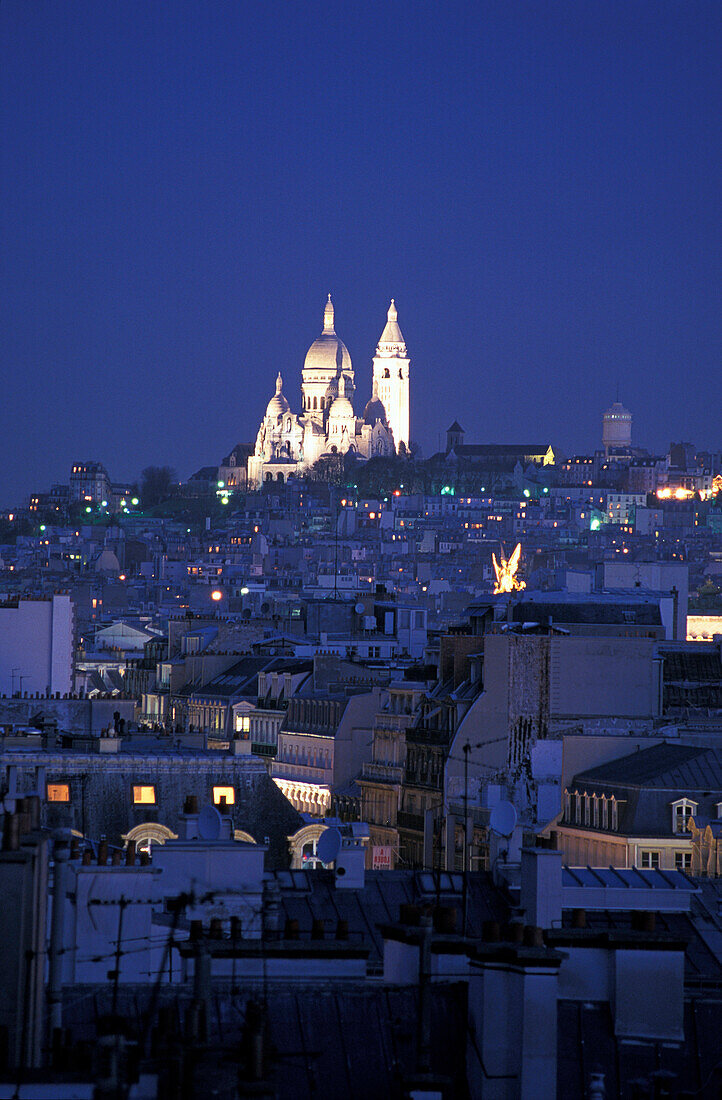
<point>216,595</point>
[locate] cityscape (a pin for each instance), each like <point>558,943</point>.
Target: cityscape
<point>380,754</point>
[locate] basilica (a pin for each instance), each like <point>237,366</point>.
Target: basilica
<point>289,443</point>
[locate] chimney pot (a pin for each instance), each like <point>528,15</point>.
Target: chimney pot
<point>317,929</point>
<point>11,833</point>
<point>291,931</point>
<point>644,921</point>
<point>410,914</point>
<point>579,918</point>
<point>445,917</point>
<point>102,853</point>
<point>87,857</point>
<point>515,932</point>
<point>490,931</point>
<point>342,930</point>
<point>533,937</point>
<point>130,854</point>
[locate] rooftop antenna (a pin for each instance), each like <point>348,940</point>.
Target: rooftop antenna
<point>328,845</point>
<point>209,823</point>
<point>502,820</point>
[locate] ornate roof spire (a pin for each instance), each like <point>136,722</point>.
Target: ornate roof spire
<point>279,383</point>
<point>392,342</point>
<point>328,318</point>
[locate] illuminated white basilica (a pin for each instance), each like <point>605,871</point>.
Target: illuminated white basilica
<point>288,443</point>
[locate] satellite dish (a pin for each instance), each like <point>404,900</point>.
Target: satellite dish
<point>209,823</point>
<point>503,819</point>
<point>328,845</point>
<point>359,608</point>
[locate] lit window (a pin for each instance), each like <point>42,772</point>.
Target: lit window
<point>228,793</point>
<point>58,792</point>
<point>243,723</point>
<point>144,796</point>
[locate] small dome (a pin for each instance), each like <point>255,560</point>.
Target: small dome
<point>278,405</point>
<point>375,409</point>
<point>617,411</point>
<point>328,354</point>
<point>341,409</point>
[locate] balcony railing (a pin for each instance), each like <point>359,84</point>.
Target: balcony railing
<point>406,820</point>
<point>393,722</point>
<point>384,773</point>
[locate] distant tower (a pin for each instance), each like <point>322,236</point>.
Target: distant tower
<point>454,436</point>
<point>616,427</point>
<point>391,378</point>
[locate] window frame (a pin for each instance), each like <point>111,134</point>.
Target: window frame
<point>143,801</point>
<point>689,809</point>
<point>57,784</point>
<point>685,858</point>
<point>223,787</point>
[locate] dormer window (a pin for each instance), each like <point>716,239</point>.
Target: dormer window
<point>682,811</point>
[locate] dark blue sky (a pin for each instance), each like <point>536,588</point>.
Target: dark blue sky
<point>537,184</point>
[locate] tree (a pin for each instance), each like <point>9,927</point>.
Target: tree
<point>157,483</point>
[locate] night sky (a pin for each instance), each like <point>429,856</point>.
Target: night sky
<point>537,184</point>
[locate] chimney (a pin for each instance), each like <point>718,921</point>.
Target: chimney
<point>541,887</point>
<point>648,988</point>
<point>350,867</point>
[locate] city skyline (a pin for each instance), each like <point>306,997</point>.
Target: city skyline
<point>535,187</point>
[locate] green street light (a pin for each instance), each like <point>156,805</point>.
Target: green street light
<point>134,501</point>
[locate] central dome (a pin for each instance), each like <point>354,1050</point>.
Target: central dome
<point>328,355</point>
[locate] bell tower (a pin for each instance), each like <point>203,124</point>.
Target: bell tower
<point>391,378</point>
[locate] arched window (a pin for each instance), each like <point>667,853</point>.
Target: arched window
<point>314,403</point>
<point>386,373</point>
<point>401,374</point>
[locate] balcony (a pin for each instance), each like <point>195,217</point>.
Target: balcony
<point>394,723</point>
<point>382,773</point>
<point>406,820</point>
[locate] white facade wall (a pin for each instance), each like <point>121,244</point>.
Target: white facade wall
<point>36,643</point>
